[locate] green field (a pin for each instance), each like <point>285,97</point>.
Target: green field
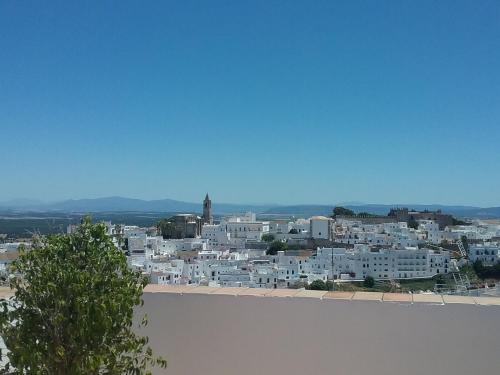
<point>17,225</point>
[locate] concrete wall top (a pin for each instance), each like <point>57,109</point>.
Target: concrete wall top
<point>299,293</point>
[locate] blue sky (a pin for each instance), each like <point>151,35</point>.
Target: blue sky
<point>259,101</point>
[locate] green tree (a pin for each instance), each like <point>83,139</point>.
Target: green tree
<point>268,237</point>
<point>369,282</point>
<point>166,228</point>
<point>479,269</point>
<point>317,285</point>
<point>298,285</point>
<point>486,272</point>
<point>73,309</point>
<point>440,279</point>
<point>412,223</point>
<point>465,242</point>
<point>276,246</point>
<point>329,285</point>
<point>459,222</point>
<point>341,211</point>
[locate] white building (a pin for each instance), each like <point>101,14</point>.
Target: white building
<point>432,232</point>
<point>172,246</point>
<point>170,273</point>
<point>263,275</point>
<point>321,227</point>
<point>229,273</point>
<point>137,243</point>
<point>216,235</point>
<point>302,226</point>
<point>280,227</point>
<point>234,231</point>
<point>381,264</point>
<point>488,254</point>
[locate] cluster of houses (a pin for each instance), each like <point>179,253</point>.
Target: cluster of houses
<point>234,250</point>
<point>253,268</point>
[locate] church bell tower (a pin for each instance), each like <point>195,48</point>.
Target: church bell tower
<point>207,210</point>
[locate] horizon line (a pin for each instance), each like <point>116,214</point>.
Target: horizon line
<point>348,203</point>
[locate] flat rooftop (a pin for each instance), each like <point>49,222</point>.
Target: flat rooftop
<point>246,331</point>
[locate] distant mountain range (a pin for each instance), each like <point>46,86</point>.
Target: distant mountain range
<point>127,204</point>
<point>120,204</point>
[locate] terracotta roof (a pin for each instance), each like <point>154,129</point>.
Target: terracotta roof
<point>9,256</point>
<point>319,218</point>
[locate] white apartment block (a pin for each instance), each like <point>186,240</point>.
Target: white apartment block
<point>383,264</point>
<point>216,235</point>
<point>246,230</point>
<point>171,246</point>
<point>234,231</point>
<point>487,253</point>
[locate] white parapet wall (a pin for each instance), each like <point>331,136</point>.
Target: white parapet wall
<point>244,331</point>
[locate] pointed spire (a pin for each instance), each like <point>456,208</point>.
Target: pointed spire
<point>207,210</point>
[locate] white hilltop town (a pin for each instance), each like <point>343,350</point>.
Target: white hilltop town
<point>242,251</point>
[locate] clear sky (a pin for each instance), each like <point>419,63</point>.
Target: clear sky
<point>253,101</point>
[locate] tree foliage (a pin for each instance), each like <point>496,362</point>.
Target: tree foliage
<point>440,279</point>
<point>486,272</point>
<point>166,228</point>
<point>342,211</point>
<point>276,246</point>
<point>465,242</point>
<point>268,237</point>
<point>318,285</point>
<point>459,222</point>
<point>329,285</point>
<point>369,282</point>
<point>298,285</point>
<point>73,309</point>
<point>412,223</point>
